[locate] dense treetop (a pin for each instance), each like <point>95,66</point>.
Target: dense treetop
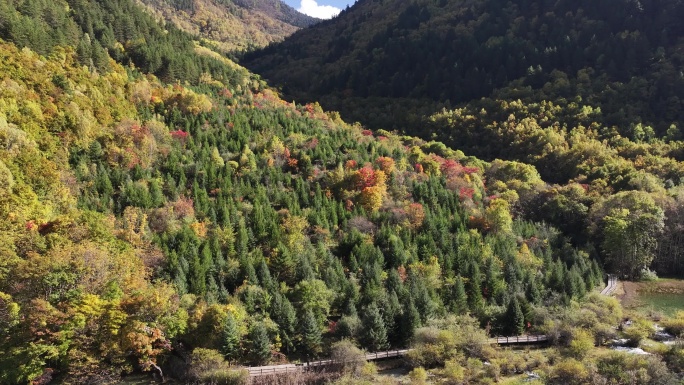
<point>400,59</point>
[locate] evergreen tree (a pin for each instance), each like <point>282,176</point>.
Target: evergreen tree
<point>285,316</point>
<point>374,332</point>
<point>475,300</point>
<point>310,333</point>
<point>533,294</point>
<point>259,343</point>
<point>409,322</point>
<point>515,319</point>
<point>231,339</point>
<point>459,299</point>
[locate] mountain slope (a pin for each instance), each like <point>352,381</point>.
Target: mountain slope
<point>279,10</point>
<point>142,217</point>
<point>175,225</point>
<point>233,26</point>
<point>391,57</point>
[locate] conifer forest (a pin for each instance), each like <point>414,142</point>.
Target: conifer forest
<point>193,188</point>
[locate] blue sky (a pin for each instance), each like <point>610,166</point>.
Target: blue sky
<point>324,9</point>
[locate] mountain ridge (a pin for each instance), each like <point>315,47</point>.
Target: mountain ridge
<point>446,54</point>
<point>233,26</point>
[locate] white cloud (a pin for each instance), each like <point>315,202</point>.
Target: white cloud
<point>311,8</point>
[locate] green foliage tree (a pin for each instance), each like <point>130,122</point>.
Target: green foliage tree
<point>374,331</point>
<point>231,339</point>
<point>515,318</point>
<point>259,344</point>
<point>630,233</point>
<point>310,332</point>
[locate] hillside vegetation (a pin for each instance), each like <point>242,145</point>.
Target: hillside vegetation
<point>144,215</point>
<point>590,93</point>
<point>401,59</point>
<point>165,211</point>
<point>232,26</point>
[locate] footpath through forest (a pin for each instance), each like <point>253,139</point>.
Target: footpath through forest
<point>515,340</point>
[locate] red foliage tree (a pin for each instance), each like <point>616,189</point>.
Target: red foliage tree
<point>365,177</point>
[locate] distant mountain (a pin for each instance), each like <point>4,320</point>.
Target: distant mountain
<point>232,25</point>
<point>278,10</point>
<point>402,58</point>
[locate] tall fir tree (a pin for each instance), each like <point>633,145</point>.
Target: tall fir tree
<point>230,339</point>
<point>310,333</point>
<point>459,299</point>
<point>259,344</point>
<point>374,331</point>
<point>515,318</point>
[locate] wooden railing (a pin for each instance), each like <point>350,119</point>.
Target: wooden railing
<point>518,340</point>
<point>292,368</point>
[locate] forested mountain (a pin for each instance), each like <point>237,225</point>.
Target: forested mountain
<point>589,92</point>
<point>118,29</point>
<point>232,25</point>
<point>385,62</point>
<point>164,211</point>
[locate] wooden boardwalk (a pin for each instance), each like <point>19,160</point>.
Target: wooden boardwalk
<point>518,340</point>
<point>611,286</point>
<point>292,368</point>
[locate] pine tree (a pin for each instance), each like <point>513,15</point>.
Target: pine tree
<point>515,319</point>
<point>285,316</point>
<point>260,345</point>
<point>231,339</point>
<point>374,332</point>
<point>421,297</point>
<point>533,294</point>
<point>475,300</point>
<point>242,244</point>
<point>459,299</point>
<point>410,321</point>
<point>156,195</point>
<point>310,332</point>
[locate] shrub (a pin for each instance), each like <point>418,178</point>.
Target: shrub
<point>351,359</point>
<point>369,370</point>
<point>638,330</point>
<point>623,368</point>
<point>582,342</point>
<point>568,372</point>
<point>418,376</point>
<point>675,358</point>
<point>648,275</point>
<point>207,366</point>
<point>453,372</point>
<point>432,347</point>
<point>675,325</point>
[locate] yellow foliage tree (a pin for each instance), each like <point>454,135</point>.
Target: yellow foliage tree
<point>371,197</point>
<point>527,259</point>
<point>498,216</point>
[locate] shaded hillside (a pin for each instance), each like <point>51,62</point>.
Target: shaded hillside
<point>383,62</point>
<point>233,26</point>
